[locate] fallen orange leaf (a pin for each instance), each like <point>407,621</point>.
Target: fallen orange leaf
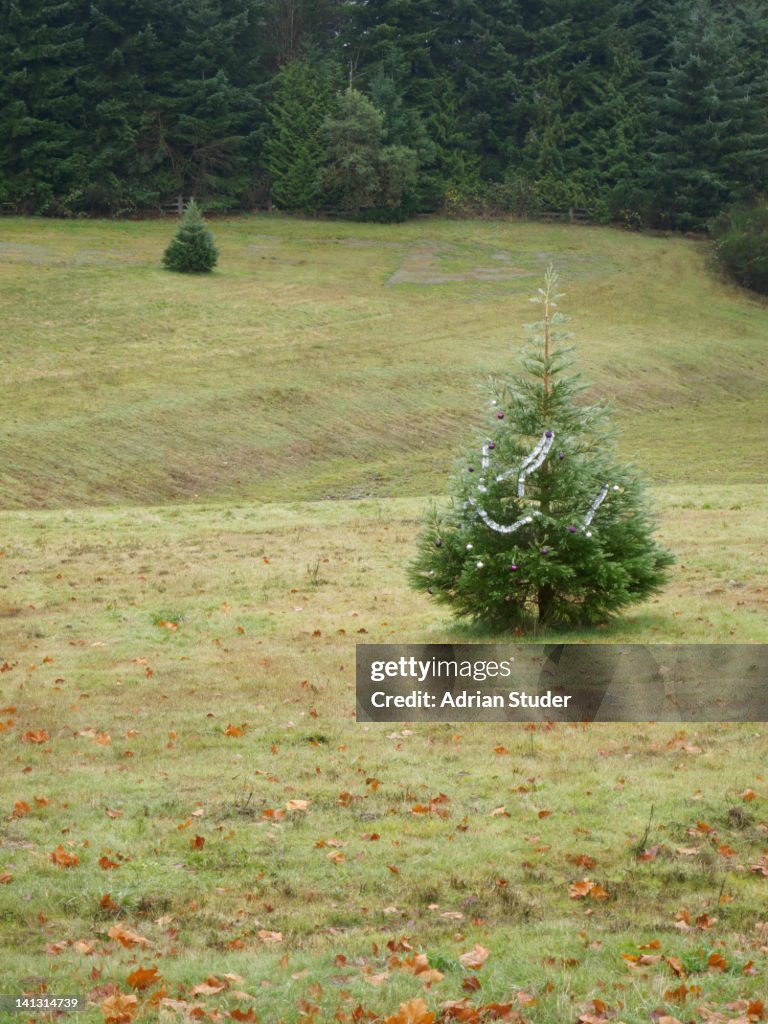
<point>581,860</point>
<point>62,859</point>
<point>210,987</point>
<point>578,890</point>
<point>717,962</point>
<point>35,736</point>
<point>376,979</point>
<point>126,937</point>
<point>413,1012</point>
<point>119,1009</point>
<point>676,966</point>
<point>419,965</point>
<point>143,977</point>
<point>474,958</point>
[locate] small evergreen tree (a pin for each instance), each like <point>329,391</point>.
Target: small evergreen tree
<point>544,523</point>
<point>192,250</point>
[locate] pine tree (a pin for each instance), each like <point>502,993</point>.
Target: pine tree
<point>544,523</point>
<point>295,150</point>
<point>192,250</point>
<point>42,164</point>
<point>710,142</point>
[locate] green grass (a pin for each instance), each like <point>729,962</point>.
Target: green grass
<point>152,596</point>
<point>334,360</point>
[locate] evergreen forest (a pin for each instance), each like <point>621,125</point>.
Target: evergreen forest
<point>641,112</point>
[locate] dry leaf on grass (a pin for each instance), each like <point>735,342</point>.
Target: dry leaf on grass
<point>143,977</point>
<point>35,736</point>
<point>474,958</point>
<point>415,1011</point>
<point>63,859</point>
<point>126,937</point>
<point>119,1008</point>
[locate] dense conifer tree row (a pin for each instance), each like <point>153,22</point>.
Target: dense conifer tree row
<point>643,111</point>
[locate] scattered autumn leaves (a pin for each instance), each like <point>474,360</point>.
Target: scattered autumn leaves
<point>146,983</point>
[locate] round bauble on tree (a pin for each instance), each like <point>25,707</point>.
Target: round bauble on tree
<point>549,527</point>
<point>192,250</point>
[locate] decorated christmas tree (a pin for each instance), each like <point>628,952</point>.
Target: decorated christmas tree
<point>544,523</point>
<point>191,250</point>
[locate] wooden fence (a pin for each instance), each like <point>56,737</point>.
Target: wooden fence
<point>173,207</point>
<point>573,215</point>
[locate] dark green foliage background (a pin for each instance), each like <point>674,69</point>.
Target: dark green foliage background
<point>647,112</point>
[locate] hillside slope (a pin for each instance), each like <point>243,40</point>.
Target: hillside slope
<point>327,359</point>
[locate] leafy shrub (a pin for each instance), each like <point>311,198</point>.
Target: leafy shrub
<point>741,243</point>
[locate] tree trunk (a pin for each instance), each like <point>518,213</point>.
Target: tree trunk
<point>546,598</point>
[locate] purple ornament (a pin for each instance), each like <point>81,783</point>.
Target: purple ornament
<point>561,455</point>
<point>491,445</point>
<point>438,543</point>
<point>545,551</point>
<point>571,529</point>
<point>514,567</point>
<point>500,415</point>
<point>548,434</point>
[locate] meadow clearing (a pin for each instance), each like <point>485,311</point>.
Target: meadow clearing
<point>210,488</point>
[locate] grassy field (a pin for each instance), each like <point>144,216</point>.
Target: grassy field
<point>193,825</point>
<point>334,360</point>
